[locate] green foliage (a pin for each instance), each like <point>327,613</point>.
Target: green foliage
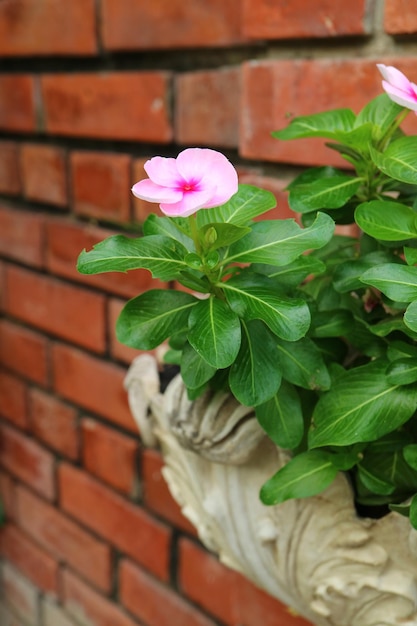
<point>316,330</point>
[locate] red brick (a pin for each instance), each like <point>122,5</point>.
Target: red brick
<point>24,352</point>
<point>207,582</point>
<point>101,185</point>
<point>17,102</point>
<point>127,527</point>
<point>47,27</point>
<point>138,25</point>
<point>9,167</point>
<point>69,312</point>
<point>154,603</point>
<point>207,103</point>
<point>65,241</point>
<point>64,539</point>
<point>28,461</point>
<point>119,350</point>
<point>7,495</point>
<point>142,209</point>
<point>33,562</point>
<point>156,495</point>
<point>54,615</point>
<point>129,106</point>
<point>280,19</point>
<point>44,175</point>
<point>54,423</point>
<point>13,404</point>
<point>93,384</point>
<point>275,90</point>
<point>21,235</point>
<point>400,17</point>
<point>89,607</point>
<point>110,456</point>
<point>21,595</point>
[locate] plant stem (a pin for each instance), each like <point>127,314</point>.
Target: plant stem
<point>192,220</point>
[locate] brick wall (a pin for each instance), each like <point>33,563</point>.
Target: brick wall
<point>88,90</point>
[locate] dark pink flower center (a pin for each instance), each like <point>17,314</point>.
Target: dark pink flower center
<point>189,185</point>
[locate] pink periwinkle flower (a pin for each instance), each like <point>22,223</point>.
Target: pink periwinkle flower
<point>398,87</point>
<point>198,178</point>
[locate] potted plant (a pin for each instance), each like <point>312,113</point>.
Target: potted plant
<point>298,356</point>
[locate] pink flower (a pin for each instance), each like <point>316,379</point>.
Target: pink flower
<point>398,87</point>
<point>198,178</point>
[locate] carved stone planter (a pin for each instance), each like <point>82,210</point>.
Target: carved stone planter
<point>315,555</point>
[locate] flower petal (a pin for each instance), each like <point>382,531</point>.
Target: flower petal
<point>190,203</point>
<point>394,77</point>
<point>148,190</point>
<point>163,171</point>
<point>400,97</point>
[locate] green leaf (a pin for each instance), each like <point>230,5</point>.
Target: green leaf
<point>302,364</point>
<point>410,455</point>
<point>195,371</point>
<point>397,282</point>
<point>374,483</point>
<point>400,350</point>
<point>223,234</point>
<point>214,332</point>
<point>387,220</point>
<point>347,275</point>
<point>381,112</point>
<point>305,475</point>
<point>410,316</point>
<point>255,376</point>
<point>172,227</point>
<point>413,512</point>
<point>410,255</point>
<point>256,298</point>
<point>162,256</point>
<point>294,273</point>
<point>361,406</point>
<point>402,509</point>
<point>326,124</point>
<point>399,160</point>
<point>147,320</point>
<point>241,209</point>
<point>332,323</point>
<point>280,242</point>
<point>281,417</point>
<point>312,174</point>
<point>402,371</point>
<point>325,193</point>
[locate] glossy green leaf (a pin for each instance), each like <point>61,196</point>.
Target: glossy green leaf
<point>147,320</point>
<point>410,255</point>
<point>413,512</point>
<point>214,332</point>
<point>402,509</point>
<point>255,376</point>
<point>346,277</point>
<point>312,174</point>
<point>302,364</point>
<point>304,475</point>
<point>195,371</point>
<point>410,316</point>
<point>397,282</point>
<point>387,220</point>
<point>332,323</point>
<point>294,273</point>
<point>374,483</point>
<point>281,417</point>
<point>326,124</point>
<point>162,256</point>
<point>361,406</point>
<point>402,371</point>
<point>280,242</point>
<point>175,227</point>
<point>257,299</point>
<point>410,455</point>
<point>241,209</point>
<point>222,234</point>
<point>399,160</point>
<point>381,112</point>
<point>401,350</point>
<point>326,193</point>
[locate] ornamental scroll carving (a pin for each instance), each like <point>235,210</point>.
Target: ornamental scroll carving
<point>315,555</point>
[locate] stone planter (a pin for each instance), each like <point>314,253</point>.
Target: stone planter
<point>315,555</point>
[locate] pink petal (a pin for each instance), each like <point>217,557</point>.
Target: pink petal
<point>400,97</point>
<point>213,171</point>
<point>190,203</point>
<point>148,190</point>
<point>394,77</point>
<point>163,171</point>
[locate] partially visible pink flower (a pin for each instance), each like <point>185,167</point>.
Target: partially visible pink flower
<point>198,178</point>
<point>398,87</point>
